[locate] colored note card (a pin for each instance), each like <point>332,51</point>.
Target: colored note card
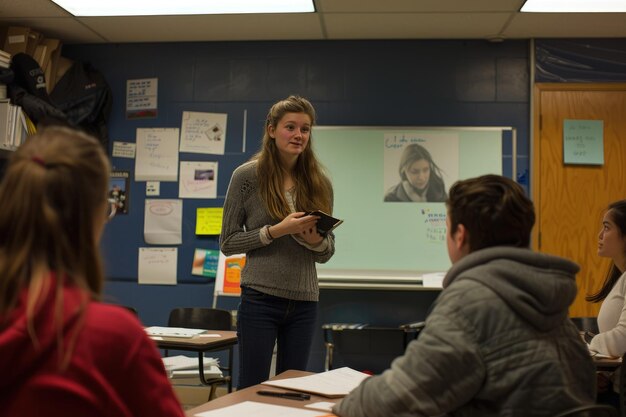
<point>205,262</point>
<point>228,276</point>
<point>209,220</point>
<point>583,142</point>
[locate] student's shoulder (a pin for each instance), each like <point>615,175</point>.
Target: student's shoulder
<point>111,318</point>
<point>247,169</point>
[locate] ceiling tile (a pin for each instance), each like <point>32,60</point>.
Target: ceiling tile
<point>404,6</point>
<point>65,28</point>
<point>30,8</point>
<point>415,26</point>
<point>554,25</point>
<point>207,28</point>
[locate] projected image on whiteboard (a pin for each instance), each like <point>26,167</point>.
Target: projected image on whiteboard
<point>419,168</point>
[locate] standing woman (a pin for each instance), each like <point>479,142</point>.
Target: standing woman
<point>63,352</point>
<point>612,316</point>
<point>420,178</point>
<point>264,217</point>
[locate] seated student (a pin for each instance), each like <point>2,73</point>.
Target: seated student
<point>64,353</point>
<point>498,340</point>
<point>612,316</point>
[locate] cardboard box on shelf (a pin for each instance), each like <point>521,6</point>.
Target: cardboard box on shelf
<point>21,39</point>
<point>51,61</point>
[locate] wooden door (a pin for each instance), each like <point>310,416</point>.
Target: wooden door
<point>571,199</point>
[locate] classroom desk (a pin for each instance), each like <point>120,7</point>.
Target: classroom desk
<point>226,341</point>
<point>606,364</point>
<point>249,394</point>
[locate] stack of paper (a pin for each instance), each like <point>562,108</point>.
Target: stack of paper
<point>173,331</point>
<point>183,370</point>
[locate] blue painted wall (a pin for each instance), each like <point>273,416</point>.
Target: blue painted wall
<point>394,83</point>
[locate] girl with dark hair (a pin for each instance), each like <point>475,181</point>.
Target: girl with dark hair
<point>612,316</point>
<point>264,217</point>
<point>421,178</point>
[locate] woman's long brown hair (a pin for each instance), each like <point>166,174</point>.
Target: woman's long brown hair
<point>54,196</point>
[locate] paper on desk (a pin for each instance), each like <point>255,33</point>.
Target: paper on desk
<point>321,405</point>
<point>180,362</point>
<point>335,383</point>
<point>173,331</point>
<point>253,408</point>
<point>598,355</point>
<point>212,371</point>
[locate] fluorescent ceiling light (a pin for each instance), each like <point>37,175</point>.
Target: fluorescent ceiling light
<point>575,6</point>
<point>182,7</point>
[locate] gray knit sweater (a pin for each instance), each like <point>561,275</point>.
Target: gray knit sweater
<point>282,268</point>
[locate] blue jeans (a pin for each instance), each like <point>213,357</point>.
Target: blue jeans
<point>262,320</point>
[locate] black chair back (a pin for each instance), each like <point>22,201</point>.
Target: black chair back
<point>586,324</point>
<point>209,319</point>
<point>200,318</point>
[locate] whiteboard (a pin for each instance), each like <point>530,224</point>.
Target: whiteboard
<point>381,241</point>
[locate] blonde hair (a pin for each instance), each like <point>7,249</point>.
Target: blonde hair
<point>53,193</point>
<point>313,188</point>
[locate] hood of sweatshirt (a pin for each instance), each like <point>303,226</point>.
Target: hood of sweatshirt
<point>537,287</point>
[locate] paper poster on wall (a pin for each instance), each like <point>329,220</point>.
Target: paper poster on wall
<point>583,142</point>
<point>434,218</point>
<point>203,132</point>
<point>209,220</point>
<point>157,266</point>
<point>419,167</point>
<point>141,98</point>
<point>157,155</point>
<point>163,222</point>
<point>119,191</point>
<point>124,150</point>
<point>205,262</point>
<point>228,276</point>
<point>197,180</point>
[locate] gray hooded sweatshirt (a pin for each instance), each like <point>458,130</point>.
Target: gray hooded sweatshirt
<point>497,343</point>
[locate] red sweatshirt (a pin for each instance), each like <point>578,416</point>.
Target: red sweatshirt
<point>115,369</point>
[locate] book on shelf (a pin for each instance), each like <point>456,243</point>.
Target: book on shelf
<point>13,127</point>
<point>5,59</point>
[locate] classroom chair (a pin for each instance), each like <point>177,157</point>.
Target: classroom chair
<point>622,387</point>
<point>591,410</point>
<point>366,348</point>
<point>209,319</point>
<point>586,324</point>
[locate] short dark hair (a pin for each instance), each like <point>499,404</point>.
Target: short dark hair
<point>494,209</point>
